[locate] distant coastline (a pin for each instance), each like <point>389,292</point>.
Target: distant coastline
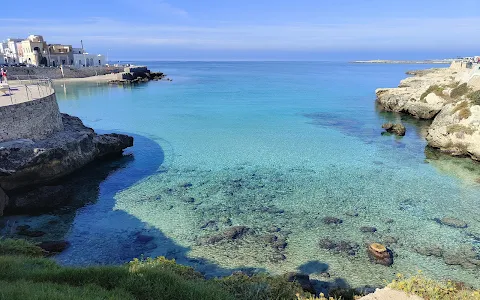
<point>382,61</point>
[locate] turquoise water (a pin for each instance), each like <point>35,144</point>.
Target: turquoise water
<point>262,145</point>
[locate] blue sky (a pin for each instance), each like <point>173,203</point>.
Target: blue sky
<point>255,30</point>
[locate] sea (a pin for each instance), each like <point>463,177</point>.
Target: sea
<point>289,154</point>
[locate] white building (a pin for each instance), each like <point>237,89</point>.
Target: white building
<point>87,60</point>
<point>10,51</point>
<point>2,58</point>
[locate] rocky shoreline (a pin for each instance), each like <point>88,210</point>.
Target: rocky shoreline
<point>450,97</point>
<point>26,166</point>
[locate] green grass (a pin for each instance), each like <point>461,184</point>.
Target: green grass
<point>28,275</point>
<point>19,247</point>
<point>437,90</point>
<point>475,97</point>
<point>22,289</point>
<point>148,283</point>
<point>459,91</point>
<point>430,289</point>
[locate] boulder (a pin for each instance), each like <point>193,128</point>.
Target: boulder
<point>397,129</point>
<point>379,254</point>
<point>26,163</point>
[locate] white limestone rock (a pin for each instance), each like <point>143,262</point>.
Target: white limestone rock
<point>456,130</point>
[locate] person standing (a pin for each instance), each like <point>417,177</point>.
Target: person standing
<point>1,75</point>
<point>4,75</point>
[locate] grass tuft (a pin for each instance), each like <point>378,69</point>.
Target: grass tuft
<point>475,97</point>
<point>437,90</point>
<point>460,90</point>
<point>459,128</point>
<point>19,247</point>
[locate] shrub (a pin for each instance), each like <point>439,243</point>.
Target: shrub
<point>460,90</point>
<point>430,289</point>
<point>475,97</point>
<point>437,90</point>
<point>19,247</point>
<point>260,287</point>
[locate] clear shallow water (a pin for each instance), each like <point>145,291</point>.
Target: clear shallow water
<point>261,145</point>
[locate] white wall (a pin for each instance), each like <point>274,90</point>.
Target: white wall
<point>89,60</point>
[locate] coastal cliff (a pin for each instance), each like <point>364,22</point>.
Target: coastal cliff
<point>25,163</point>
<point>450,98</point>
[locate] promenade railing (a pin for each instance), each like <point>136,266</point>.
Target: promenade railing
<point>23,88</point>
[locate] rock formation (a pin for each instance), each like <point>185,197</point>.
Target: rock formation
<point>379,254</point>
<point>451,98</point>
<point>397,129</point>
<point>456,130</point>
<point>25,163</point>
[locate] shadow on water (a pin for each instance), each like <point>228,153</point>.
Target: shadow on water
<point>98,233</point>
<point>313,267</point>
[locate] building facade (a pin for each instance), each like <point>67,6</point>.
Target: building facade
<point>60,55</point>
<point>88,60</point>
<point>34,50</point>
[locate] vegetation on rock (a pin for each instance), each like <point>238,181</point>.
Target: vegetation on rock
<point>475,97</point>
<point>459,128</point>
<point>430,289</point>
<point>436,89</point>
<point>459,91</point>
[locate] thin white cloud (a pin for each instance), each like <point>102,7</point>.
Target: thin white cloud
<point>400,34</point>
<point>155,7</point>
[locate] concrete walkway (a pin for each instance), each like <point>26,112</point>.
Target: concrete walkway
<point>23,92</point>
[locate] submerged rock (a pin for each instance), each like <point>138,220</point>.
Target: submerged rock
<point>388,240</point>
<point>25,163</point>
<point>466,258</point>
<point>452,222</point>
<point>367,229</point>
<point>332,220</point>
<point>54,246</point>
<point>379,254</point>
<point>397,129</point>
<point>42,198</point>
<point>345,247</point>
<point>30,233</point>
<point>232,233</point>
<point>432,250</point>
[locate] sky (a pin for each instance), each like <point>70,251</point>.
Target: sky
<point>255,29</point>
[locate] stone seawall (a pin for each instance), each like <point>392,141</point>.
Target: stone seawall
<point>35,120</point>
<point>56,73</point>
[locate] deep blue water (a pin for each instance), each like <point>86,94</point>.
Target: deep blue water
<point>264,144</point>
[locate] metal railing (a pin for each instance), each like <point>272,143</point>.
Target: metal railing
<point>24,88</point>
